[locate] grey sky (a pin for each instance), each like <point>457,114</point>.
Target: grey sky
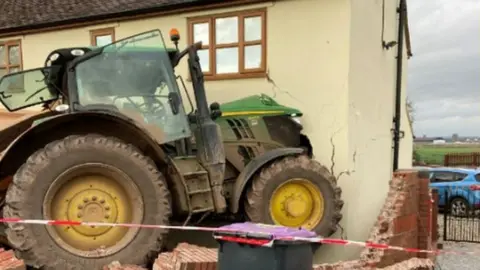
<point>444,72</point>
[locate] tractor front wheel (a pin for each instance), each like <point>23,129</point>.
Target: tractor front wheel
<point>91,179</point>
<point>295,192</point>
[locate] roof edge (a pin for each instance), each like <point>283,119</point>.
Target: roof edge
<point>123,16</point>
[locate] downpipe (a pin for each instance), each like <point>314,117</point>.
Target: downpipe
<point>397,133</point>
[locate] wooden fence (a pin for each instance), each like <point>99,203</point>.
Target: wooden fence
<point>462,159</point>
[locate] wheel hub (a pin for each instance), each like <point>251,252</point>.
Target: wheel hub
<point>295,207</point>
<point>297,203</point>
<point>93,193</point>
<point>92,205</point>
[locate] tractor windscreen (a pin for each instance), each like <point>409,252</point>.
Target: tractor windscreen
<point>135,75</point>
<point>29,88</point>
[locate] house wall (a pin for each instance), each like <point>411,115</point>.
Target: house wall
<point>371,99</point>
<point>327,61</point>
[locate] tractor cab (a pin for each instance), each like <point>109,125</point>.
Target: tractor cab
<point>62,57</point>
<point>133,77</point>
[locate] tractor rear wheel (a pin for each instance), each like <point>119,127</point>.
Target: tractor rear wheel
<point>295,192</point>
<point>87,178</point>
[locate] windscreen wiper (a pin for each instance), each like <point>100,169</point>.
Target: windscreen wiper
<point>35,93</point>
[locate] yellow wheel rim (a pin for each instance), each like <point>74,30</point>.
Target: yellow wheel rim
<point>297,203</point>
<point>93,193</point>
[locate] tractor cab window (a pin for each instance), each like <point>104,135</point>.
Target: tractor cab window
<point>134,76</point>
<point>29,88</point>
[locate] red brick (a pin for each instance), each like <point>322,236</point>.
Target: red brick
<point>8,261</point>
<point>405,223</point>
<point>186,256</point>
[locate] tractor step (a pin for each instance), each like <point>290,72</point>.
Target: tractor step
<point>196,184</point>
<point>189,174</point>
<point>202,210</point>
<point>207,190</point>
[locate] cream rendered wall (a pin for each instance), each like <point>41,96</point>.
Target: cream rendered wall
<point>326,59</point>
<point>372,75</point>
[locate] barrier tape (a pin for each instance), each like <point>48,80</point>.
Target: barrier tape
<point>334,241</point>
<point>258,242</point>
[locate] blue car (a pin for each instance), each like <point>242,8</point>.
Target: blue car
<point>458,189</point>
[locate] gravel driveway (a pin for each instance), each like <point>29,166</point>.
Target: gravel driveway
<point>460,228</point>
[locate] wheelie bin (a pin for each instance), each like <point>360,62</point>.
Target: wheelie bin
<point>250,246</point>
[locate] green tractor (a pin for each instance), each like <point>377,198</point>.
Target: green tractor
<point>115,144</point>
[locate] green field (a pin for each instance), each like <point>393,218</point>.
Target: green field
<point>434,154</point>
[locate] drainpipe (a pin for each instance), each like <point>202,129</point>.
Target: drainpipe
<point>397,134</point>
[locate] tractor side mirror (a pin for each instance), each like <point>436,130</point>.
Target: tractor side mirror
<point>174,101</point>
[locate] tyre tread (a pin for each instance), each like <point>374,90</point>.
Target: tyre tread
<point>254,194</point>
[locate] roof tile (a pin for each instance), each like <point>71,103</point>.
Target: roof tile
<point>25,13</point>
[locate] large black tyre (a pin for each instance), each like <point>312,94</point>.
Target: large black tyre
<point>264,184</point>
<point>24,200</point>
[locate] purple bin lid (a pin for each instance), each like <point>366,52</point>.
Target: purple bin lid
<point>267,230</point>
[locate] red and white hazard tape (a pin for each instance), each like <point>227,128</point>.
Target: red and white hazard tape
<point>105,224</point>
<point>341,242</point>
<point>258,242</point>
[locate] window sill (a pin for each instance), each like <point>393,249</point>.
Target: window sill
<point>225,77</point>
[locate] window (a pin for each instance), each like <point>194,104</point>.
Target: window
<point>477,177</point>
<point>10,57</point>
<point>439,177</point>
<point>11,62</point>
<point>442,177</point>
<point>234,44</point>
<point>460,176</point>
<point>102,37</point>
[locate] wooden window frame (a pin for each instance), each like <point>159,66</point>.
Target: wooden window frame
<point>7,44</point>
<point>241,44</point>
<point>101,32</point>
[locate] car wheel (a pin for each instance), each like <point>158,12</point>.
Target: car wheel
<point>459,207</point>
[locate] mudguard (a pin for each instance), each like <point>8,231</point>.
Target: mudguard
<point>62,125</point>
<point>254,166</point>
<point>13,130</point>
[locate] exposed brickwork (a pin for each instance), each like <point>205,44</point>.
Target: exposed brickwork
<point>424,229</point>
<point>186,256</point>
<point>407,219</point>
<point>8,261</point>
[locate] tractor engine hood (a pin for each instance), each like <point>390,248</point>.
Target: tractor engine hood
<point>257,105</point>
